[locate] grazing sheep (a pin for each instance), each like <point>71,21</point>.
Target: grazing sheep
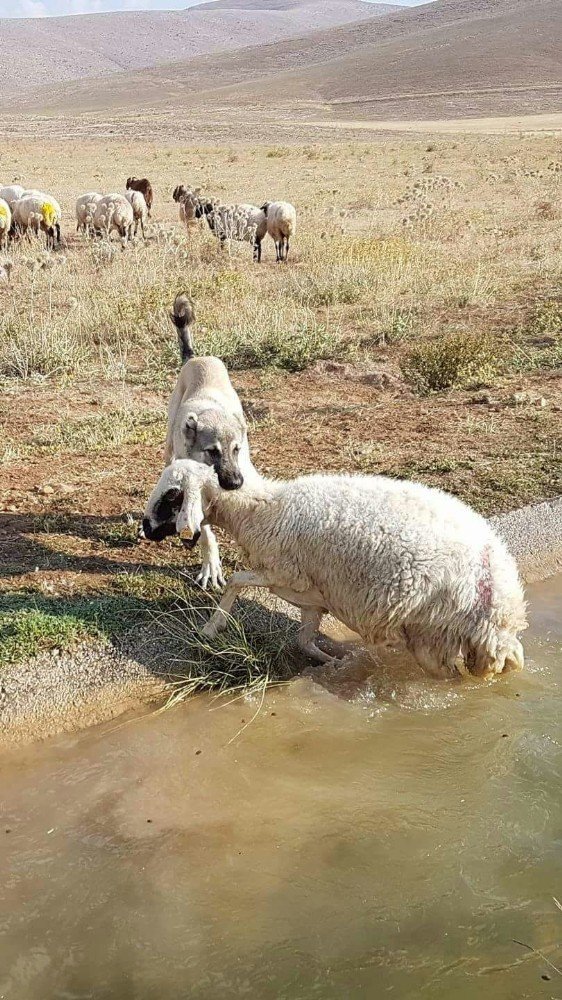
<point>11,193</point>
<point>140,209</point>
<point>145,187</point>
<point>244,223</point>
<point>114,213</point>
<point>188,202</point>
<point>281,225</point>
<point>390,559</point>
<point>38,212</point>
<point>5,222</point>
<point>85,211</point>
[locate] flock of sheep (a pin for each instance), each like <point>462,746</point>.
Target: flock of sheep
<point>34,211</point>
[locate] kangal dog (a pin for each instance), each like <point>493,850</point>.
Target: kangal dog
<point>206,424</point>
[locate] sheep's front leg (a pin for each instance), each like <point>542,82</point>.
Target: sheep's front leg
<point>238,582</point>
<point>211,568</point>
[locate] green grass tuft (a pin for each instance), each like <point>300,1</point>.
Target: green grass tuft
<point>455,362</point>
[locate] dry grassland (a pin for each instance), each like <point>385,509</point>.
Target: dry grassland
<point>416,331</point>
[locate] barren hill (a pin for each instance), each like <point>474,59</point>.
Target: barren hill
<point>46,51</point>
<point>447,59</point>
<point>259,5</point>
<point>474,55</point>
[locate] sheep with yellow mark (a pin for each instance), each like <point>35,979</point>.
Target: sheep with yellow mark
<point>5,223</point>
<point>38,212</point>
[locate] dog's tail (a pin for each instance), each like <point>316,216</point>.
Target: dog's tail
<point>183,318</point>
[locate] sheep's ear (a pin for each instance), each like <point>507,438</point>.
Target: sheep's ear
<point>191,516</point>
<point>190,427</point>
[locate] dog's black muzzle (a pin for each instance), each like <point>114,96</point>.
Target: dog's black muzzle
<point>229,479</point>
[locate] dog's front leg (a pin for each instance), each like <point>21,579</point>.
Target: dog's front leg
<point>211,567</point>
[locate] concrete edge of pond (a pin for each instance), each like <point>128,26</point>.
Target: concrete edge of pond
<point>66,692</point>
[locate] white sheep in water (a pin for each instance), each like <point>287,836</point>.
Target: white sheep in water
<point>281,221</point>
<point>5,223</point>
<point>36,211</point>
<point>390,559</point>
<point>137,202</point>
<point>85,210</point>
<point>114,213</point>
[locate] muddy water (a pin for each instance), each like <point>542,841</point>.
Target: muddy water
<point>388,838</point>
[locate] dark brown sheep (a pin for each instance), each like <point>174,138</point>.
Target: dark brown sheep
<point>143,185</point>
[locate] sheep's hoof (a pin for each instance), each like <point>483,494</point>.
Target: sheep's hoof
<point>215,625</point>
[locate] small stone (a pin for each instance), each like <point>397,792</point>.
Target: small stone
<point>45,491</point>
<point>520,398</point>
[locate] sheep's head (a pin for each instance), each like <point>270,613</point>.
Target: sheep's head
<point>175,506</point>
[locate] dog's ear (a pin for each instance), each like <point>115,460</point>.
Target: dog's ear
<point>241,423</point>
<point>190,427</point>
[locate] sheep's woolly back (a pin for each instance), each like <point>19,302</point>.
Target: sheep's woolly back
<point>86,207</point>
<point>36,209</point>
<point>281,220</point>
<point>11,193</point>
<point>113,211</point>
<point>243,223</point>
<point>138,203</point>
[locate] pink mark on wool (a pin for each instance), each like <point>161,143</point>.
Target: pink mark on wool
<point>484,586</point>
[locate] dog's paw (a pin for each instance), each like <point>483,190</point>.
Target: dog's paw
<point>211,572</point>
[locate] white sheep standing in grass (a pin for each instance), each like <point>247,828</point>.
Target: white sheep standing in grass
<point>137,202</point>
<point>392,560</point>
<point>281,221</point>
<point>85,210</point>
<point>244,223</point>
<point>114,214</point>
<point>11,193</point>
<point>5,223</point>
<point>38,212</point>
